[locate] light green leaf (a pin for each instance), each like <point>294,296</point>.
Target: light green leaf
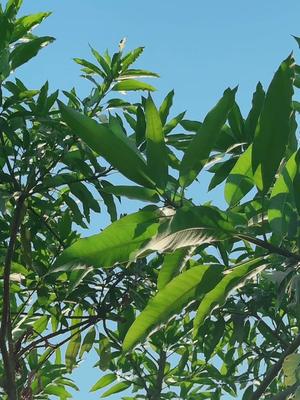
<point>202,144</point>
<point>240,179</point>
<point>164,109</point>
<point>157,157</point>
<point>104,381</point>
<point>220,292</point>
<point>134,192</point>
<point>171,299</point>
<point>119,387</point>
<point>25,51</point>
<point>171,266</point>
<point>59,391</point>
<point>282,214</point>
<point>137,73</point>
<point>291,369</point>
<point>130,84</point>
<point>116,244</point>
<point>118,150</point>
<point>273,129</point>
<point>24,24</point>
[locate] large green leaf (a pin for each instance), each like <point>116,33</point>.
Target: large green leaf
<point>220,292</point>
<point>25,51</point>
<point>282,213</point>
<point>171,299</point>
<point>115,244</point>
<point>165,107</point>
<point>119,387</point>
<point>240,179</point>
<point>273,129</point>
<point>189,226</point>
<point>134,192</point>
<point>157,157</point>
<point>117,149</point>
<point>202,144</point>
<point>253,116</point>
<point>104,381</point>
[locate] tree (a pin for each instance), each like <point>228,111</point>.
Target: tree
<point>179,300</point>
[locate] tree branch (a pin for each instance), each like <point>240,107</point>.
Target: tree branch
<point>273,371</point>
<point>5,330</point>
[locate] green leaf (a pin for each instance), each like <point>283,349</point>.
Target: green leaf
<point>59,391</point>
<point>189,226</point>
<point>25,51</point>
<point>102,61</point>
<point>130,84</point>
<point>89,65</point>
<point>84,195</point>
<point>291,369</point>
<point>117,149</point>
<point>273,129</point>
<point>157,157</point>
<point>72,351</point>
<point>240,180</point>
<point>171,266</point>
<point>164,109</point>
<point>221,172</point>
<point>171,299</point>
<point>134,192</point>
<point>137,73</point>
<point>119,387</point>
<point>24,24</point>
<point>282,214</point>
<point>202,144</point>
<point>217,296</point>
<point>116,244</point>
<point>173,123</point>
<point>131,57</point>
<point>254,114</point>
<point>88,342</point>
<point>104,381</point>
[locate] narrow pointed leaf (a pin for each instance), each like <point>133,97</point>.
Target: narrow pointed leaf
<point>240,180</point>
<point>130,84</point>
<point>171,299</point>
<point>253,116</point>
<point>119,387</point>
<point>24,24</point>
<point>104,381</point>
<point>273,129</point>
<point>157,157</point>
<point>118,150</point>
<point>220,292</point>
<point>202,144</point>
<point>164,109</point>
<point>134,192</point>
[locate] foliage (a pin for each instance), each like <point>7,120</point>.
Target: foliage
<point>177,300</point>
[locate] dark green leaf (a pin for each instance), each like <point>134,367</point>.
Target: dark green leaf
<point>171,266</point>
<point>200,147</point>
<point>104,381</point>
<point>134,192</point>
<point>273,130</point>
<point>164,109</point>
<point>128,85</point>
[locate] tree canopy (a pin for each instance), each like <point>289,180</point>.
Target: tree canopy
<point>178,300</point>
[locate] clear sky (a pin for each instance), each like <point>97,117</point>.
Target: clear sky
<point>198,47</point>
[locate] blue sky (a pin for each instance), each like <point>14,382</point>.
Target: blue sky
<point>198,47</point>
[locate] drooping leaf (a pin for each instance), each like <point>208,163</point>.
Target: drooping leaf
<point>72,351</point>
<point>240,179</point>
<point>116,244</point>
<point>131,84</point>
<point>202,144</point>
<point>273,129</point>
<point>25,51</point>
<point>171,299</point>
<point>118,150</point>
<point>157,158</point>
<point>134,192</point>
<point>171,266</point>
<point>220,292</point>
<point>87,342</point>
<point>282,213</point>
